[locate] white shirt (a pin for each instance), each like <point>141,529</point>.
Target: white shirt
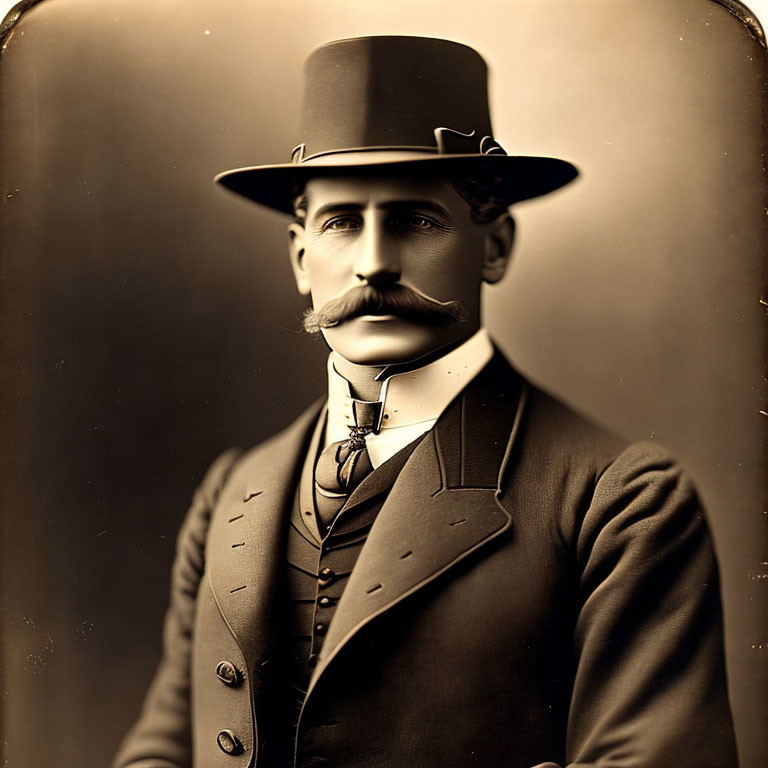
<point>414,400</point>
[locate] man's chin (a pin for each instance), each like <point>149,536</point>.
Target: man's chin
<point>377,340</point>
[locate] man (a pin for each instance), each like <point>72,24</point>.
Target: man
<point>440,566</point>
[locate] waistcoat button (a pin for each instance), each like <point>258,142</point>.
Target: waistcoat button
<point>228,673</point>
<point>326,576</point>
<point>229,743</point>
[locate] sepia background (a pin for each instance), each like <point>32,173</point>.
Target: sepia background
<point>149,320</point>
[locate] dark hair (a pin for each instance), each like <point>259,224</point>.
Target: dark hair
<point>484,197</point>
<point>299,199</point>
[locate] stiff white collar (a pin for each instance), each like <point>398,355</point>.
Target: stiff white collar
<point>414,399</point>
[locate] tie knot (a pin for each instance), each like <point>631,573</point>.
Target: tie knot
<point>356,439</point>
<point>340,468</point>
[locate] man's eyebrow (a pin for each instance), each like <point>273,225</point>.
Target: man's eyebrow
<point>331,207</point>
<point>428,206</point>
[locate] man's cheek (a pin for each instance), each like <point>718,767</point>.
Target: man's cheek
<point>322,295</point>
<point>330,286</point>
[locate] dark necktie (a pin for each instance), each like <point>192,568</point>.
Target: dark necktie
<point>341,467</point>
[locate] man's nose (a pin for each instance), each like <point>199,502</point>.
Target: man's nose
<point>378,260</point>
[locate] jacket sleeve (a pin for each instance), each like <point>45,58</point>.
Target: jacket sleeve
<point>650,687</point>
<point>161,738</point>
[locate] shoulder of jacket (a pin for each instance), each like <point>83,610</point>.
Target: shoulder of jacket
<point>556,433</point>
<point>193,531</point>
<point>282,443</point>
<point>216,476</point>
<point>559,427</point>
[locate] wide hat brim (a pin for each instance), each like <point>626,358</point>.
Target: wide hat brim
<point>514,177</point>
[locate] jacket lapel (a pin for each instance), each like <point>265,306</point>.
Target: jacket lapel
<point>443,506</point>
<point>246,536</point>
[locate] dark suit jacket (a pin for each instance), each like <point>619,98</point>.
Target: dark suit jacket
<point>532,590</point>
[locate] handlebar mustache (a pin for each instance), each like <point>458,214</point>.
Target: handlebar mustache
<point>396,299</point>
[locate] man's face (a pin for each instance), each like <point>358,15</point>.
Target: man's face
<point>393,231</point>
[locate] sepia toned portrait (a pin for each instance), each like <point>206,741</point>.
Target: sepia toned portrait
<point>384,384</point>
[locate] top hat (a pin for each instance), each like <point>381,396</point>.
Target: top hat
<point>397,104</point>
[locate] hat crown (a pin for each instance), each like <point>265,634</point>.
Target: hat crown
<point>426,97</point>
<point>391,92</point>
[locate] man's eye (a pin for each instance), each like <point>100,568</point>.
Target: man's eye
<point>414,221</point>
<point>341,224</point>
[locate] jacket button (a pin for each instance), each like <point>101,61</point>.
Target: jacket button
<point>326,576</point>
<point>228,673</point>
<point>229,743</point>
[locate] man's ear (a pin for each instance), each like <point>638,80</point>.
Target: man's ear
<point>498,249</point>
<point>296,235</point>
